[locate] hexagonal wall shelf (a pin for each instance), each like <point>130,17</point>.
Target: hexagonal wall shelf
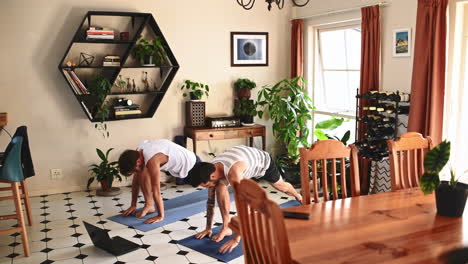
<point>117,35</point>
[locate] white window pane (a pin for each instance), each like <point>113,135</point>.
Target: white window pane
<point>353,48</point>
<point>335,86</point>
<point>333,49</point>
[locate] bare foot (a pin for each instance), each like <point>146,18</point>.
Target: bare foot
<point>226,231</point>
<point>146,210</point>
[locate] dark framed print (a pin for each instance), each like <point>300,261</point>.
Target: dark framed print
<point>249,49</point>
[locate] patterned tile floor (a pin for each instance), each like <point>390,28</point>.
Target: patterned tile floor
<point>58,235</point>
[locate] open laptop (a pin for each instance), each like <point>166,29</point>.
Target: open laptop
<point>116,246</point>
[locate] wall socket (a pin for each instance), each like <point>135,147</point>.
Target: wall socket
<point>56,174</point>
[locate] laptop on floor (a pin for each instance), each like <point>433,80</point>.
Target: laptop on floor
<point>116,246</point>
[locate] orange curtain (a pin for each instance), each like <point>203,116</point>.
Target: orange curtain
<point>428,82</point>
<point>296,48</point>
<point>370,72</point>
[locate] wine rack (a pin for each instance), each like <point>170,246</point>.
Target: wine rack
<point>380,113</point>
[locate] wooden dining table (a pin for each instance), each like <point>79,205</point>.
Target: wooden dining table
<point>394,227</point>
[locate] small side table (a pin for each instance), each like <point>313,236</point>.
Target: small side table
<point>206,133</point>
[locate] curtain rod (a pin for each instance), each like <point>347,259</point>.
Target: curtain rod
<point>384,3</point>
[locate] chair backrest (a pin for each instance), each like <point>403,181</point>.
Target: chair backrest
<point>318,155</point>
<point>12,169</point>
<point>262,225</point>
<point>407,159</point>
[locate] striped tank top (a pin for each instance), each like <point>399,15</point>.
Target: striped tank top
<point>257,161</point>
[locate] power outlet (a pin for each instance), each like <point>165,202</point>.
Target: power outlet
<point>56,174</point>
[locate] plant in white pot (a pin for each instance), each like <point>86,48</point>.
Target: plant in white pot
<point>450,195</point>
<point>104,173</point>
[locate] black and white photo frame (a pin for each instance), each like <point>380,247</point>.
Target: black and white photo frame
<point>249,49</point>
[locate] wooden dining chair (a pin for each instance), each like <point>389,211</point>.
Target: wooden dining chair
<point>264,238</point>
<point>407,159</point>
<point>322,152</point>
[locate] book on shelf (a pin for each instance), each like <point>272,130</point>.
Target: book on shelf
<point>87,110</point>
<point>91,37</point>
<point>126,108</point>
<point>99,28</point>
<point>111,63</point>
<point>99,33</point>
<point>71,82</point>
<point>78,82</point>
<point>127,116</point>
<point>127,112</point>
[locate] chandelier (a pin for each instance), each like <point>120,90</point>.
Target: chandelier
<point>248,4</point>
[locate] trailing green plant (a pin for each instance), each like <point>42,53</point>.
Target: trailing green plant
<point>322,130</point>
<point>434,161</point>
<point>105,171</point>
<point>146,48</point>
<point>290,108</point>
<point>196,88</point>
<point>244,83</point>
<point>245,107</point>
<point>100,89</point>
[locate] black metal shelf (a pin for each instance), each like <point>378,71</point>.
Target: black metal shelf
<point>170,67</point>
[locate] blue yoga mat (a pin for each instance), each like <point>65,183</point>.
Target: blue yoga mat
<point>175,209</point>
<point>210,248</point>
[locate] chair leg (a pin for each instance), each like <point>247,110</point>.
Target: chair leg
<point>27,202</point>
<point>19,214</point>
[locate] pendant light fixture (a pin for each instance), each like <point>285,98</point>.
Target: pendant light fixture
<point>248,4</point>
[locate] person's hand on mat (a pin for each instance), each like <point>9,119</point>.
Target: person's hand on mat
<point>155,219</point>
<point>129,211</point>
<point>146,210</point>
<point>229,246</point>
<point>225,231</point>
<point>204,233</point>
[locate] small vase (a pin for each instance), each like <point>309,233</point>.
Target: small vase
<point>451,201</point>
<point>148,61</point>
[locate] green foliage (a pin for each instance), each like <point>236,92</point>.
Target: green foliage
<point>104,171</point>
<point>196,88</point>
<point>244,84</point>
<point>434,162</point>
<point>330,125</point>
<point>245,107</point>
<point>290,109</point>
<point>100,89</point>
<point>145,48</point>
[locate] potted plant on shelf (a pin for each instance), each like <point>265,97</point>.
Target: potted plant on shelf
<point>243,86</point>
<point>195,89</point>
<point>100,89</point>
<point>104,173</point>
<point>245,109</point>
<point>290,110</point>
<point>450,196</point>
<point>150,53</point>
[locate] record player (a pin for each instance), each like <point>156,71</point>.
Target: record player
<point>223,121</point>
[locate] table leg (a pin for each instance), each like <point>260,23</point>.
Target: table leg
<point>251,139</point>
<point>264,142</point>
<point>194,146</point>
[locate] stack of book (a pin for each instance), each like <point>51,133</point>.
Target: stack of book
<point>98,33</point>
<point>75,82</point>
<point>128,111</point>
<point>111,60</point>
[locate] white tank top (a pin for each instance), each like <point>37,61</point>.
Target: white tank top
<point>180,161</point>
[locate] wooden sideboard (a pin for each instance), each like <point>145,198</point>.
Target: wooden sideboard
<point>206,133</point>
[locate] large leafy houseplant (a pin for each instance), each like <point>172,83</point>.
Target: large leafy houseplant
<point>323,129</point>
<point>245,109</point>
<point>450,196</point>
<point>290,109</point>
<point>100,89</point>
<point>195,89</point>
<point>105,171</point>
<point>150,52</point>
<point>243,86</point>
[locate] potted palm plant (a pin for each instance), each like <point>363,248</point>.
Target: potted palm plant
<point>196,90</point>
<point>104,173</point>
<point>150,53</point>
<point>290,109</point>
<point>450,195</point>
<point>243,86</point>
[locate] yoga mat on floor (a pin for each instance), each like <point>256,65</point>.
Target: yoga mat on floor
<point>210,248</point>
<point>175,209</point>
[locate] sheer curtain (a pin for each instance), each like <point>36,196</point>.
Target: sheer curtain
<point>456,105</point>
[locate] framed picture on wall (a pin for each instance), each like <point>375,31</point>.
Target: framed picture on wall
<point>402,42</point>
<point>249,49</point>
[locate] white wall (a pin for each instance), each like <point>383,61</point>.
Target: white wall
<point>36,34</point>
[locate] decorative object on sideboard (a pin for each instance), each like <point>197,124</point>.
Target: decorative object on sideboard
<point>248,4</point>
<point>150,52</point>
<point>195,113</point>
<point>223,121</point>
<point>105,172</point>
<point>401,42</point>
<point>249,49</point>
<point>86,59</point>
<point>196,90</point>
<point>450,196</point>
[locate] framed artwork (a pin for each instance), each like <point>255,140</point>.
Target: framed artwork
<point>402,42</point>
<point>249,49</point>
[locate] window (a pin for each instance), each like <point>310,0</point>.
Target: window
<point>336,73</point>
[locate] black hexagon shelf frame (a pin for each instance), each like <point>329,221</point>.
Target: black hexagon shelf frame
<point>167,71</point>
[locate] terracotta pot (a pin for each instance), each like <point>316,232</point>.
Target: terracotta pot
<point>244,93</point>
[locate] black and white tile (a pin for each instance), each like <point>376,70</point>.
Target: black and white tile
<point>59,236</point>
